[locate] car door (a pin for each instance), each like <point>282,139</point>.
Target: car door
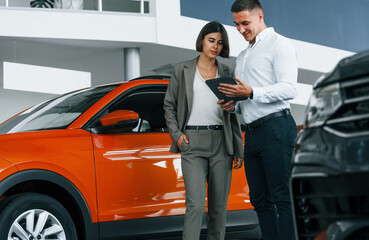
<point>137,177</point>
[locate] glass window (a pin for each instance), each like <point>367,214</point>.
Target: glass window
<point>148,103</point>
<point>56,113</point>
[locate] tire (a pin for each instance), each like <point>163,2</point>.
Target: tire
<point>34,216</point>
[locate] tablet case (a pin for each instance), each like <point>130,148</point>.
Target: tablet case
<point>213,84</point>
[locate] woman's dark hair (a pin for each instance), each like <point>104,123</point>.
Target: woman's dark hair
<point>241,5</point>
<point>212,27</point>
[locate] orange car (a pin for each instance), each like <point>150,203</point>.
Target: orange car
<point>95,164</point>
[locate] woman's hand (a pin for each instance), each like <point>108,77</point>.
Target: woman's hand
<point>228,106</point>
<point>237,162</point>
<point>181,139</point>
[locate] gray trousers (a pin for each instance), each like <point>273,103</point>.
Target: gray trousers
<point>205,159</point>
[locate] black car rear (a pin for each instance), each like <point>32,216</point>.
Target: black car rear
<point>330,167</point>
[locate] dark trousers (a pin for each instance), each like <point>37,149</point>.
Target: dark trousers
<point>268,152</point>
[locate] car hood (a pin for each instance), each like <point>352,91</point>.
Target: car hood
<point>350,67</point>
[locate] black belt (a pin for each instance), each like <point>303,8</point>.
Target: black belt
<point>261,121</point>
<point>209,127</point>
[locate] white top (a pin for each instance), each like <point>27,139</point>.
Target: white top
<point>270,68</point>
<point>205,110</point>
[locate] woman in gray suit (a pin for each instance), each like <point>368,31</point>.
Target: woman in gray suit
<point>208,138</point>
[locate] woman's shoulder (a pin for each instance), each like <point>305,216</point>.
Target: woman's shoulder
<point>179,65</point>
<point>185,64</point>
<point>225,68</point>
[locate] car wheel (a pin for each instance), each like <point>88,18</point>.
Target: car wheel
<point>33,216</point>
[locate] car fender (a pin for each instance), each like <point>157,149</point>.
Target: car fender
<point>44,175</point>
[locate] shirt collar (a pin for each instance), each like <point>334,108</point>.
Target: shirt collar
<point>263,34</point>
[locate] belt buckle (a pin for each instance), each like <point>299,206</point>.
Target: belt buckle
<point>209,127</point>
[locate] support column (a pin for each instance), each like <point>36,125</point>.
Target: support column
<point>99,5</point>
<point>132,64</point>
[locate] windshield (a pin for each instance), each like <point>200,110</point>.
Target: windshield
<point>56,113</point>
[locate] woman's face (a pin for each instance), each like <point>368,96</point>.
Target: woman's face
<point>212,44</point>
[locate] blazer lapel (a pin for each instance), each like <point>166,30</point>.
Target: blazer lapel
<point>221,71</point>
<point>226,116</point>
<point>189,75</point>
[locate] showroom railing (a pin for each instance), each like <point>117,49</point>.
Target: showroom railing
<point>127,6</point>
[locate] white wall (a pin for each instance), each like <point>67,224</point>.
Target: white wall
<point>105,65</point>
<point>83,25</point>
<point>12,102</point>
<point>33,78</point>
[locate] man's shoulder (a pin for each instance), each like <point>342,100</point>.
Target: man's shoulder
<point>280,39</point>
<point>278,42</point>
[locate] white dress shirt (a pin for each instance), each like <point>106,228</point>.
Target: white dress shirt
<point>270,68</point>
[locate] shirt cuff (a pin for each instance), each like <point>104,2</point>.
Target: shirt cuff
<point>236,109</point>
<point>258,93</point>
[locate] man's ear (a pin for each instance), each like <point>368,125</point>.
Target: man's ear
<point>261,17</point>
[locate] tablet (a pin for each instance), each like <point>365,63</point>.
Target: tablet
<point>213,84</point>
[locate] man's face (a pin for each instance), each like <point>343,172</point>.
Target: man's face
<point>249,23</point>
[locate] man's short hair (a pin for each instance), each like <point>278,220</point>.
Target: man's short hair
<point>212,27</point>
<point>241,5</point>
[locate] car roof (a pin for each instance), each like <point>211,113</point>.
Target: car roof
<point>156,77</point>
<point>148,77</point>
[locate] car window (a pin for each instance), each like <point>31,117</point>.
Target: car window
<point>56,113</point>
<point>147,102</point>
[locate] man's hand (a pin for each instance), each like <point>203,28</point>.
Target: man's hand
<point>237,162</point>
<point>181,139</point>
<point>228,106</point>
<point>241,89</point>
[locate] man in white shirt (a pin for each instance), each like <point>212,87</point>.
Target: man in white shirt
<point>267,75</point>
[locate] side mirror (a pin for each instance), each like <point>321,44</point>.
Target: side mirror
<point>117,121</point>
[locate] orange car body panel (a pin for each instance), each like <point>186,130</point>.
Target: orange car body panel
<point>66,152</point>
<point>148,178</point>
<point>121,176</point>
<point>7,168</point>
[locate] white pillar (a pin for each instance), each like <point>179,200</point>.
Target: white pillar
<point>142,7</point>
<point>99,5</point>
<point>132,68</point>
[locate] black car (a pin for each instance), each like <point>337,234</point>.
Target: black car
<point>330,166</point>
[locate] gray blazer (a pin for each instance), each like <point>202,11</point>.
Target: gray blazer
<point>178,104</point>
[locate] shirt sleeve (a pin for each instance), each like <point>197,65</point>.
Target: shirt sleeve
<point>285,70</point>
<point>237,109</point>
